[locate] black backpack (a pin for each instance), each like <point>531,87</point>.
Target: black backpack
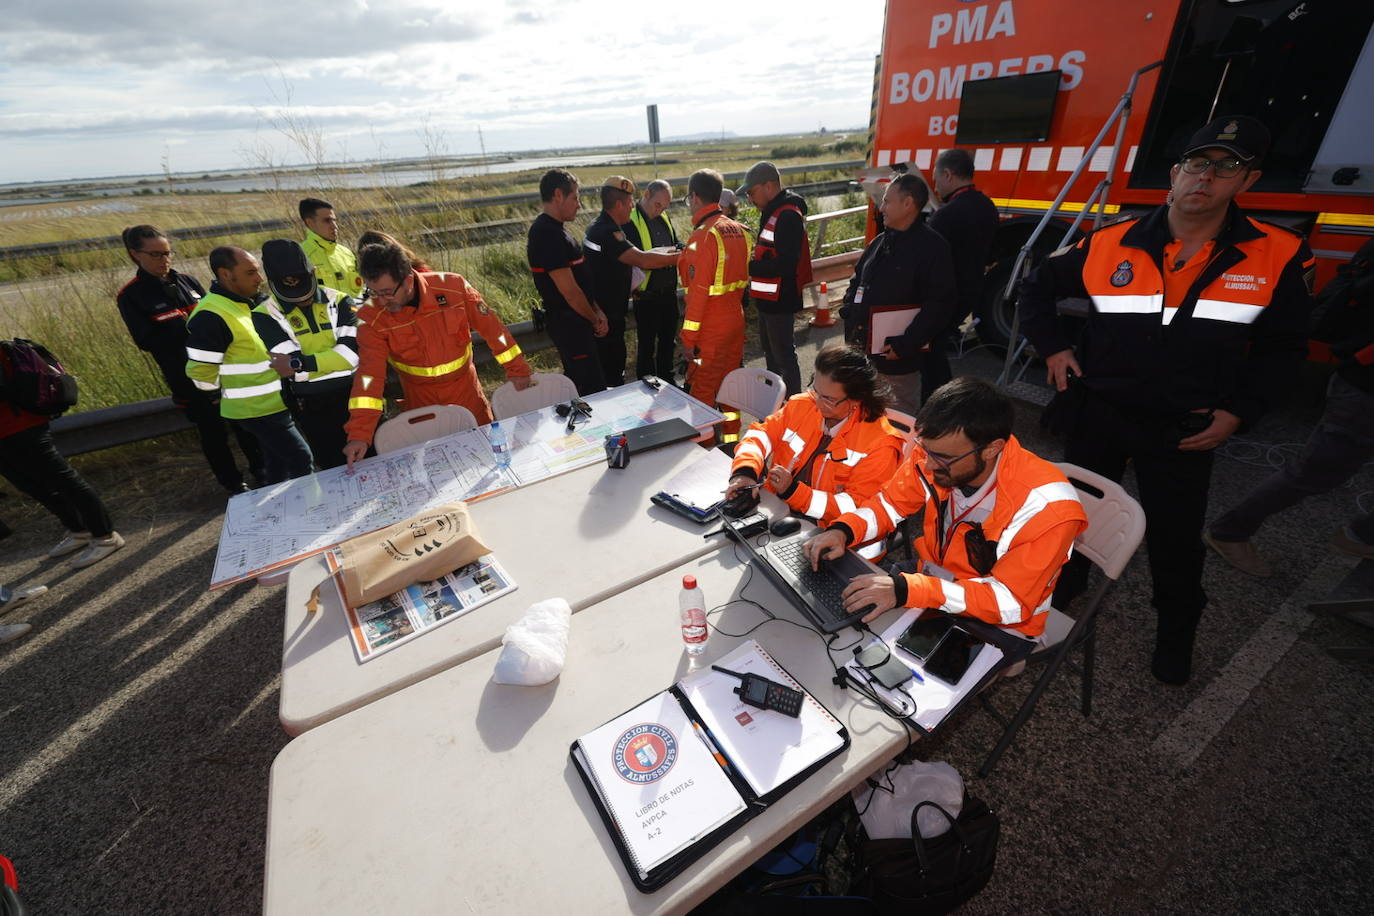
<point>1341,312</point>
<point>34,380</point>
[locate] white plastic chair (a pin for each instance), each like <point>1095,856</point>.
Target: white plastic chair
<point>905,424</point>
<point>1116,525</point>
<point>756,392</point>
<point>420,425</point>
<point>545,390</point>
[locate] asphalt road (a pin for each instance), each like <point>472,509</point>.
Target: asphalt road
<point>138,725</point>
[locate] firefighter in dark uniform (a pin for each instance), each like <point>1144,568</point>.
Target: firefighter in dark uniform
<point>154,306</point>
<point>564,283</point>
<point>312,341</point>
<point>1198,324</point>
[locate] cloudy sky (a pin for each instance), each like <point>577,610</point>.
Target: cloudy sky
<point>111,87</point>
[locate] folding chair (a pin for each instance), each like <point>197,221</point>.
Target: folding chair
<point>420,425</point>
<point>899,541</point>
<point>905,424</point>
<point>1116,524</point>
<point>545,390</point>
<point>756,392</point>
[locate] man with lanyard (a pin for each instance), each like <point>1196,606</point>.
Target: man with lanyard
<point>779,268</point>
<point>335,265</point>
<point>154,306</point>
<point>564,282</point>
<point>967,219</point>
<point>310,334</point>
<point>421,324</point>
<point>655,297</point>
<point>714,272</point>
<point>907,264</point>
<point>224,353</point>
<point>998,525</point>
<point>613,259</point>
<point>1198,324</point>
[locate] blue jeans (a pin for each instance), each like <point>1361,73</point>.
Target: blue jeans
<point>284,453</point>
<point>1340,445</point>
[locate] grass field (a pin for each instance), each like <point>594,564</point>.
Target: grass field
<point>68,303</point>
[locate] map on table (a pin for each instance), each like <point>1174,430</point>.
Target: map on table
<point>284,523</point>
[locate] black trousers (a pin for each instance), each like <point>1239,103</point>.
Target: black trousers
<point>611,348</point>
<point>572,335</point>
<point>202,409</point>
<point>321,419</point>
<point>31,462</point>
<point>656,327</point>
<point>1173,492</point>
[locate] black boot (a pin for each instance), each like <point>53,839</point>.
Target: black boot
<point>1173,658</point>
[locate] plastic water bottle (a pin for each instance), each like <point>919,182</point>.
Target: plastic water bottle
<point>500,445</point>
<point>692,607</point>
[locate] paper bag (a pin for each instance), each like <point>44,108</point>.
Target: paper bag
<point>419,549</point>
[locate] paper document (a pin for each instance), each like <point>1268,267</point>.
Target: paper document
<point>767,747</point>
<point>934,699</point>
<point>701,485</point>
<point>886,321</point>
<point>658,780</point>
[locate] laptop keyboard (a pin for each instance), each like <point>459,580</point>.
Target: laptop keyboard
<point>823,586</point>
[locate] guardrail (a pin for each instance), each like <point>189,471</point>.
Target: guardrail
<point>106,427</point>
<point>254,227</point>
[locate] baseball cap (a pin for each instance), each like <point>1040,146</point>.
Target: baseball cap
<point>1247,137</point>
<point>290,275</point>
<point>758,173</point>
<point>620,184</point>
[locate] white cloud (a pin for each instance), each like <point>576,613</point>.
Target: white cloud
<point>84,80</point>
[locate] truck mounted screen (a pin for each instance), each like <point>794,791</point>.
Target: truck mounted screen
<point>1008,109</point>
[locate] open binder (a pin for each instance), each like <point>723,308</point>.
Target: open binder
<point>678,773</point>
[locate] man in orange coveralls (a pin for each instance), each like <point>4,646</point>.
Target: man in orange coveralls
<point>999,520</point>
<point>714,270</point>
<point>420,323</point>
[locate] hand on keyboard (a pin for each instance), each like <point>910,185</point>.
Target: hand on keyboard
<point>828,545</point>
<point>872,594</point>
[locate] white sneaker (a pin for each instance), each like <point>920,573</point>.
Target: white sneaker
<point>12,631</point>
<point>74,541</point>
<point>99,549</point>
<point>19,595</point>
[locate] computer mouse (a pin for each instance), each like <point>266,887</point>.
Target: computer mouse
<point>784,526</point>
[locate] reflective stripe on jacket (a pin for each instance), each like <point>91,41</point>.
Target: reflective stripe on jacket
<point>430,346</point>
<point>646,240</point>
<point>249,386</point>
<point>769,289</point>
<point>322,332</point>
<point>1034,520</point>
<point>335,266</point>
<point>713,270</point>
<point>860,457</point>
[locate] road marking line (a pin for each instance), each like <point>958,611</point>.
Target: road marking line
<point>1193,729</point>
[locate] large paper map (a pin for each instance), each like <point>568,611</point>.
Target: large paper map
<point>281,524</point>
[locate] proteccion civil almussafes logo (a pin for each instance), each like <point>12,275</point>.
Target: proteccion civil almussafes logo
<point>1123,275</point>
<point>644,753</point>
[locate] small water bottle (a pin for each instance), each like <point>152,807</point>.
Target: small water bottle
<point>500,445</point>
<point>692,613</point>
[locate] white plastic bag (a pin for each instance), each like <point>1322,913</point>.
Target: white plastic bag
<point>888,815</point>
<point>536,645</point>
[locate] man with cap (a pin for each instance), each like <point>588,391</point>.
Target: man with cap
<point>779,268</point>
<point>613,258</point>
<point>1198,324</point>
<point>224,353</point>
<point>312,341</point>
<point>655,296</point>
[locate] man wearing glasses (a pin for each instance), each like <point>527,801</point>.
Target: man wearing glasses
<point>155,305</point>
<point>421,323</point>
<point>998,525</point>
<point>1198,323</point>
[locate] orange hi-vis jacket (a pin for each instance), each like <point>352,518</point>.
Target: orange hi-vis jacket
<point>858,459</point>
<point>430,347</point>
<point>1035,517</point>
<point>714,270</point>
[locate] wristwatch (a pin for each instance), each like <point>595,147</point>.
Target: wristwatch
<point>295,363</point>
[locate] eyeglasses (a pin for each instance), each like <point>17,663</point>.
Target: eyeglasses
<point>944,462</point>
<point>1225,168</point>
<point>160,255</point>
<point>824,398</point>
<point>374,293</point>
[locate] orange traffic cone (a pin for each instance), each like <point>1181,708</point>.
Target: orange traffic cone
<point>822,318</point>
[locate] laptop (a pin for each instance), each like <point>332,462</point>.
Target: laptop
<point>816,593</point>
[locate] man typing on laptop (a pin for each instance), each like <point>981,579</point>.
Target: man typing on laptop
<point>998,526</point>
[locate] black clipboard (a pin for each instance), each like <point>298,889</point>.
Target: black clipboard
<point>755,804</point>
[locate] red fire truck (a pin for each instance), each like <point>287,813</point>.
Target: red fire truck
<point>1027,86</point>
